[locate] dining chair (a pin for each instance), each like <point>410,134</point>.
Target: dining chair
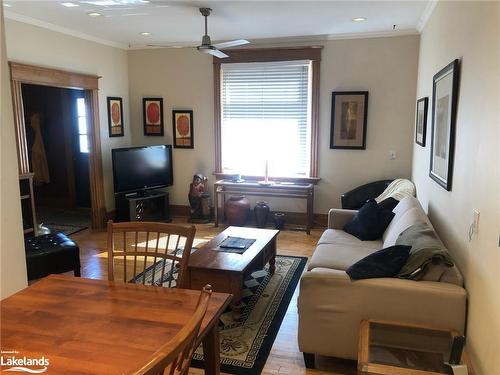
<point>149,253</point>
<point>174,357</point>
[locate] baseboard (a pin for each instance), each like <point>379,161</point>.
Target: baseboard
<point>291,218</point>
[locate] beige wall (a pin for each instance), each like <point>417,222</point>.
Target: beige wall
<point>12,258</point>
<point>386,67</point>
<point>471,32</point>
<point>38,46</point>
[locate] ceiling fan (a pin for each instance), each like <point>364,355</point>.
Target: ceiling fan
<point>206,43</point>
<point>215,49</point>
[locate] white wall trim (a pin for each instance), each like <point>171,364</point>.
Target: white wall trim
<point>426,14</point>
<point>63,30</point>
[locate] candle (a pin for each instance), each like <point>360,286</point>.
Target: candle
<point>266,173</point>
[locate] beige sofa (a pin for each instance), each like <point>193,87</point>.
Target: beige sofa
<point>331,306</point>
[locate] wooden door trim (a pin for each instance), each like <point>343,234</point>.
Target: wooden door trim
<point>37,75</point>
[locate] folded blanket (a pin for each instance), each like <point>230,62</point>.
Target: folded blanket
<point>397,189</point>
<point>426,249</point>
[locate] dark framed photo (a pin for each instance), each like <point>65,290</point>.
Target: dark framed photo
<point>152,112</point>
<point>182,121</point>
<point>444,112</point>
<point>421,121</point>
<point>115,116</point>
<point>348,124</point>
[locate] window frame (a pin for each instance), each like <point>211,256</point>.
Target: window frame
<point>312,53</point>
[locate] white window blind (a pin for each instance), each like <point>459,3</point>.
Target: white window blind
<point>266,117</point>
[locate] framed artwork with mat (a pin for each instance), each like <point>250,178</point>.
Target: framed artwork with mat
<point>152,111</point>
<point>182,121</point>
<point>421,121</point>
<point>348,123</point>
<point>444,116</point>
<point>115,116</point>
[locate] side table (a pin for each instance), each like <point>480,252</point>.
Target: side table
<point>391,348</point>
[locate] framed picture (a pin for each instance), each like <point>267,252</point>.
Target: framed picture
<point>421,121</point>
<point>444,110</point>
<point>152,110</point>
<point>182,122</point>
<point>115,116</point>
<point>348,125</point>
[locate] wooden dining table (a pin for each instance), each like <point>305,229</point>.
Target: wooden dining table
<point>87,326</point>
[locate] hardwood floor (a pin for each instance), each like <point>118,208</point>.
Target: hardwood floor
<point>285,357</point>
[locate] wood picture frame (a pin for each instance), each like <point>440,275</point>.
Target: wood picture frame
<point>444,112</point>
<point>152,114</point>
<point>115,116</point>
<point>421,121</point>
<point>349,119</point>
<point>182,126</point>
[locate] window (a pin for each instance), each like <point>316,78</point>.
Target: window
<point>266,110</point>
<point>83,138</point>
<point>266,117</point>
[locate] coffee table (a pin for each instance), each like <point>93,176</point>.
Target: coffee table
<point>226,271</point>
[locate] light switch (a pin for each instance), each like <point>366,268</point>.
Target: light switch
<point>476,220</point>
<point>392,155</point>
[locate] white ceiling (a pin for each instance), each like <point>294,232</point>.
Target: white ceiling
<point>179,22</point>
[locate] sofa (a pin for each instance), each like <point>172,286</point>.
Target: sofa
<point>331,306</point>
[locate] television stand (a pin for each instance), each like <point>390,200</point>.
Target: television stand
<point>149,205</point>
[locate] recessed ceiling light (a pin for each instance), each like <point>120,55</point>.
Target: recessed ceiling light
<point>94,14</point>
<point>7,5</point>
<point>145,33</point>
<point>69,5</point>
<point>359,19</point>
<point>144,1</point>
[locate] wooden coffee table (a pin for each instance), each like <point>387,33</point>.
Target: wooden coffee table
<point>225,271</point>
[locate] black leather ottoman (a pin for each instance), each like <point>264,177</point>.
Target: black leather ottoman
<point>51,253</point>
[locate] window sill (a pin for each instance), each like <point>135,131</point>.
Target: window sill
<point>308,180</point>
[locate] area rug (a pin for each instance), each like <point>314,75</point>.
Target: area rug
<point>245,344</point>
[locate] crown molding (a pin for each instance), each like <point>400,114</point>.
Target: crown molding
<point>63,30</point>
<point>426,14</point>
<point>292,39</point>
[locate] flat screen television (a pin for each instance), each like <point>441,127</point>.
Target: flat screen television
<point>141,168</point>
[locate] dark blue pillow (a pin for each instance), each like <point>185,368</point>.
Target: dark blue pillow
<point>370,222</point>
<point>383,263</point>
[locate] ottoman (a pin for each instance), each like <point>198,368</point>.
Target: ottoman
<point>51,253</point>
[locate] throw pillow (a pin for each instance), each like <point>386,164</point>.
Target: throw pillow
<point>426,249</point>
<point>370,222</point>
<point>383,263</point>
<point>389,203</point>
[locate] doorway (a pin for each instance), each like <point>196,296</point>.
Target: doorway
<point>56,128</point>
<point>36,75</point>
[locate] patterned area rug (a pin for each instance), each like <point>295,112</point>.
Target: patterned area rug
<point>245,344</point>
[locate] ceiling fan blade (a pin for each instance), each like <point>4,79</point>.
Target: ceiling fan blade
<point>216,53</point>
<point>232,43</point>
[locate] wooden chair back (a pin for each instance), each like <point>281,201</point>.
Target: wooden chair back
<point>174,357</point>
<point>149,253</point>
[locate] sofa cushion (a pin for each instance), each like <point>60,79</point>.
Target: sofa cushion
<point>339,237</point>
<point>370,222</point>
<point>339,256</point>
<point>382,263</point>
<point>399,224</point>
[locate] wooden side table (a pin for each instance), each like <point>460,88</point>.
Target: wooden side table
<point>390,348</point>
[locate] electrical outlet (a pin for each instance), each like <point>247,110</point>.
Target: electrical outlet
<point>392,155</point>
